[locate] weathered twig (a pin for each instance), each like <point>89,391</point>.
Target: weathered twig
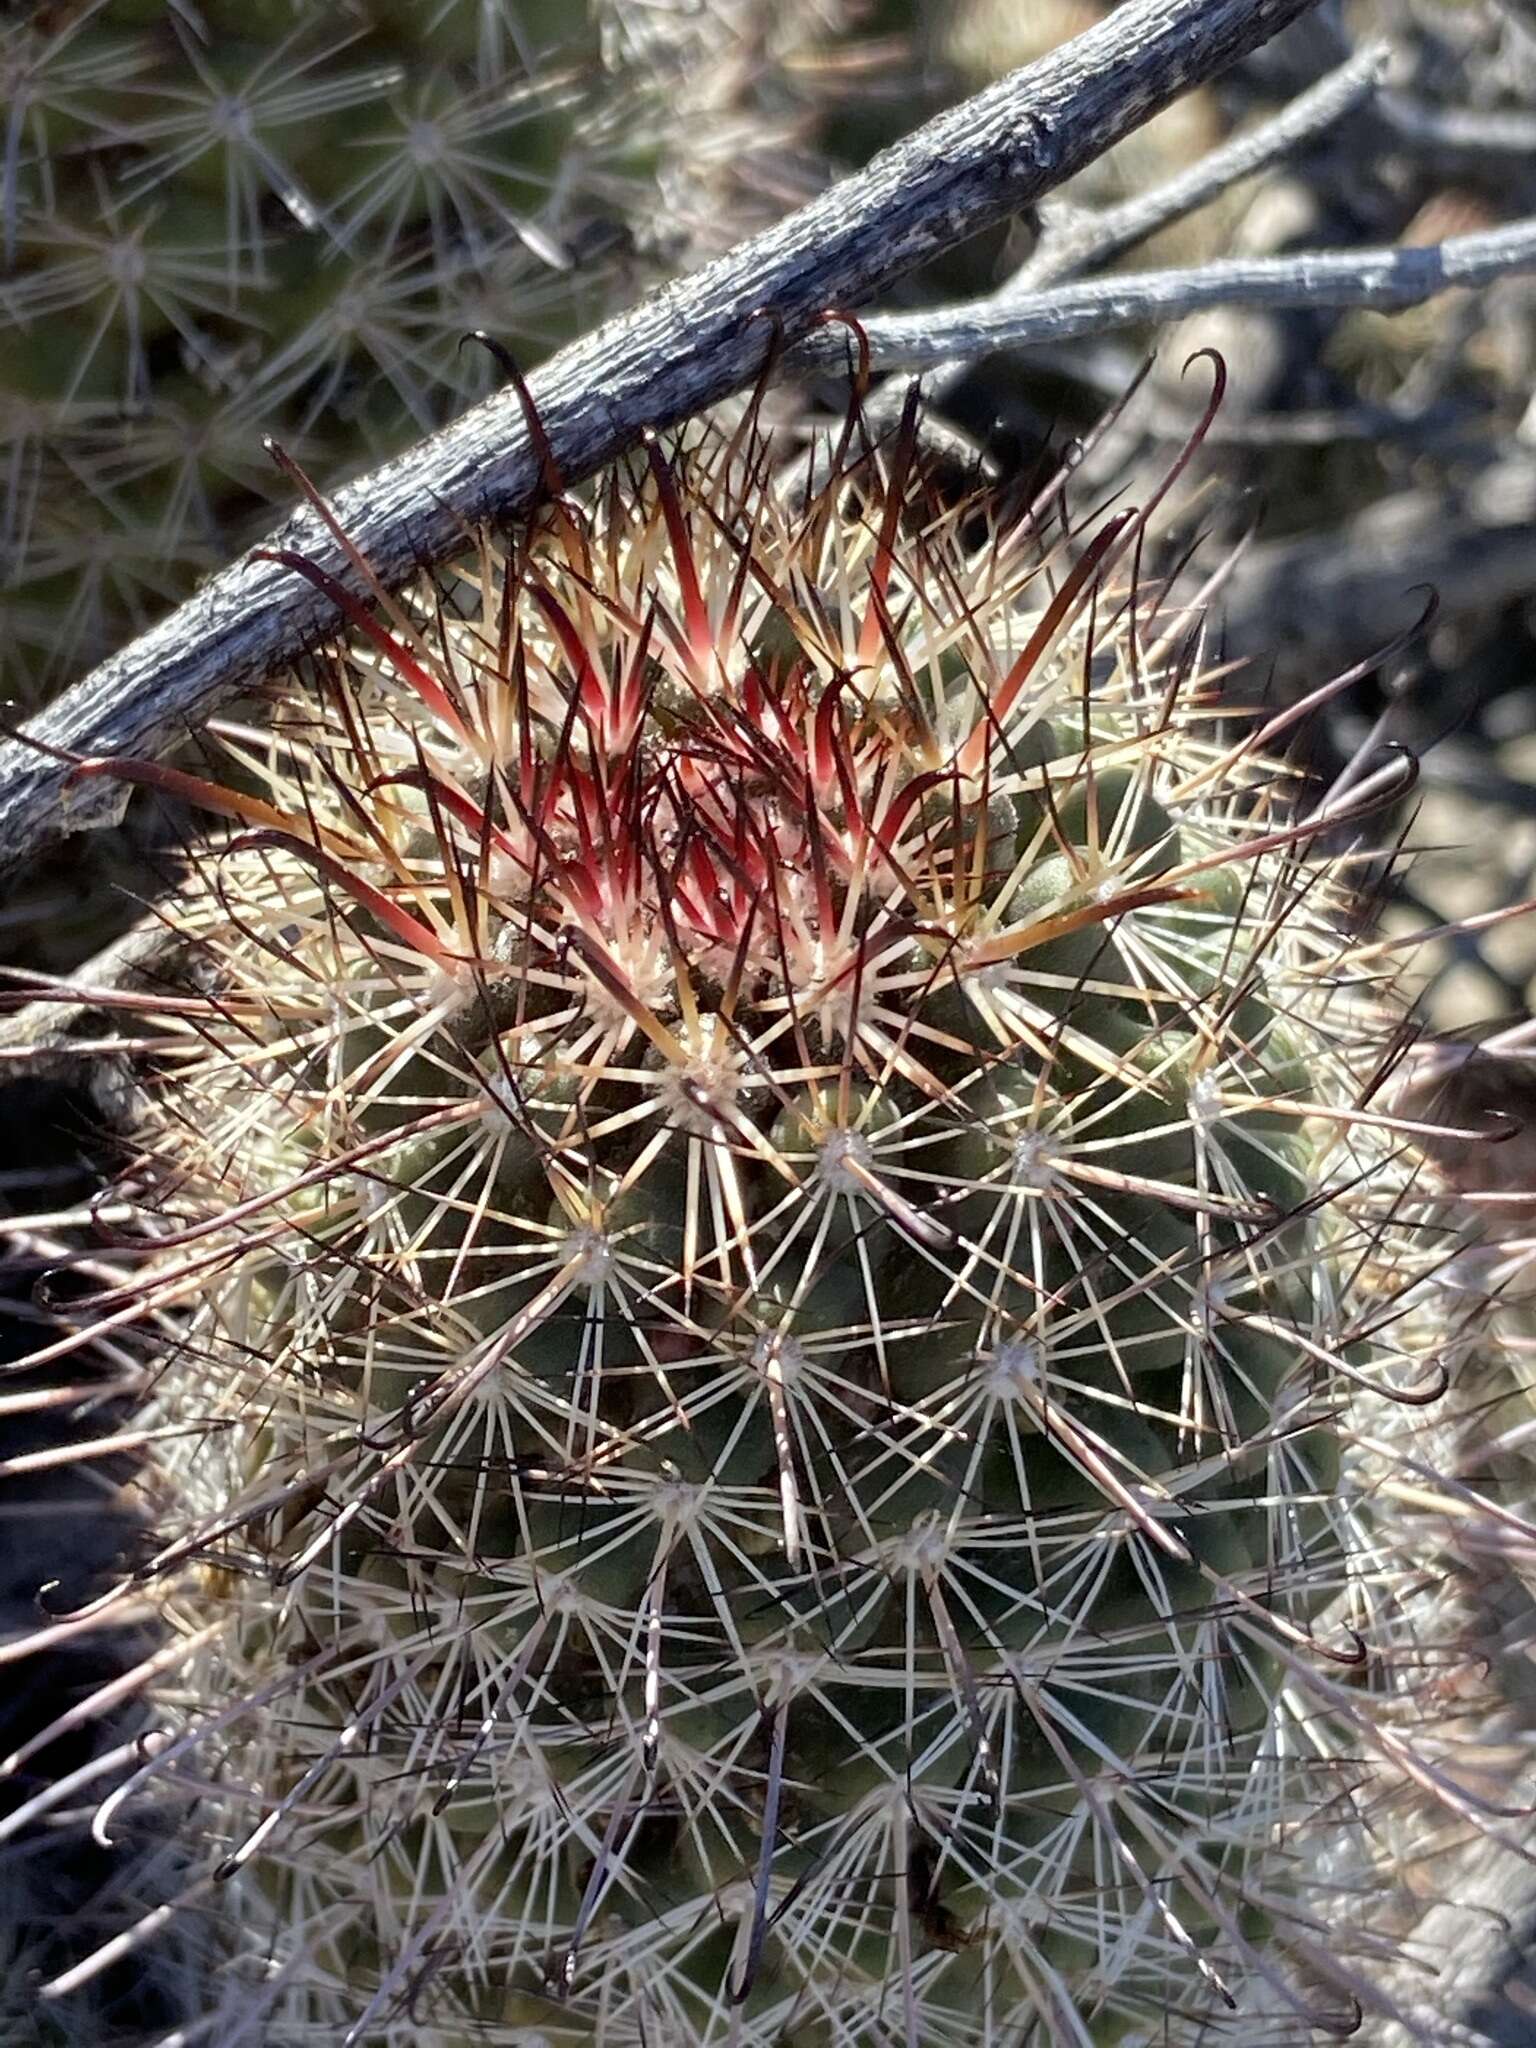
<point>1459,131</point>
<point>1383,279</point>
<point>1084,240</point>
<point>44,1036</point>
<point>683,349</point>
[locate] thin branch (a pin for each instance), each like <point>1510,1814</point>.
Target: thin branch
<point>1459,131</point>
<point>1085,241</point>
<point>43,1036</point>
<point>1082,240</point>
<point>683,349</point>
<point>1385,280</point>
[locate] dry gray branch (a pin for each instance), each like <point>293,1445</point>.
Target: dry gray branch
<point>1459,131</point>
<point>1385,280</point>
<point>1083,241</point>
<point>46,1036</point>
<point>681,350</point>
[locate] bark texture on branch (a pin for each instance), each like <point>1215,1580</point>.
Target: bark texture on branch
<point>682,349</point>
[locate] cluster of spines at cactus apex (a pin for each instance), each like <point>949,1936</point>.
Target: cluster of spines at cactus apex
<point>767,1185</point>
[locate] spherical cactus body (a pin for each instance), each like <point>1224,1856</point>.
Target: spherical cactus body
<point>775,1196</point>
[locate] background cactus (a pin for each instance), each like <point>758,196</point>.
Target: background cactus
<point>229,221</point>
<point>236,220</point>
<point>775,1168</point>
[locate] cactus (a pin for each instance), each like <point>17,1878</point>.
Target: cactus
<point>244,219</point>
<point>772,1179</point>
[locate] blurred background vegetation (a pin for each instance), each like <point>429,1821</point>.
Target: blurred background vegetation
<point>227,219</point>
